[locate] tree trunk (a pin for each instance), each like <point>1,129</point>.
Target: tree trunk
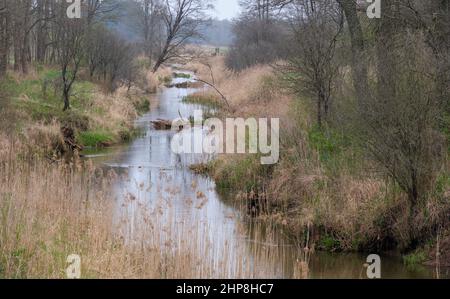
<point>4,40</point>
<point>319,110</point>
<point>387,37</point>
<point>41,36</point>
<point>161,58</point>
<point>163,54</point>
<point>66,98</point>
<point>17,50</point>
<point>359,62</point>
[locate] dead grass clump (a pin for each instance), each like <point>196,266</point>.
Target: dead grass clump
<point>154,80</point>
<point>242,88</point>
<point>45,139</point>
<point>321,178</point>
<point>50,211</point>
<point>118,110</point>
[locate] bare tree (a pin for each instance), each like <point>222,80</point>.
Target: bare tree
<point>259,36</point>
<point>182,21</point>
<point>358,47</point>
<point>69,42</point>
<point>149,23</point>
<point>120,62</point>
<point>311,69</point>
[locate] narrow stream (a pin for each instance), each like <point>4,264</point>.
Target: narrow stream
<point>190,202</point>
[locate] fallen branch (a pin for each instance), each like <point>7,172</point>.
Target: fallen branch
<point>216,89</point>
<point>162,124</point>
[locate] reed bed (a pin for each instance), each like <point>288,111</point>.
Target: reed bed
<point>49,211</point>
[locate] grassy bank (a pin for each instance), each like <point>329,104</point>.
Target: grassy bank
<point>32,108</point>
<point>324,185</point>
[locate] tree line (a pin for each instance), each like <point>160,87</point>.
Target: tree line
<point>40,31</point>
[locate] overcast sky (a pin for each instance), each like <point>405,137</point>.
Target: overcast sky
<point>226,9</point>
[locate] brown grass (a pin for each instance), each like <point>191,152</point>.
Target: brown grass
<point>49,211</point>
<point>354,207</point>
<point>252,92</point>
<point>97,109</point>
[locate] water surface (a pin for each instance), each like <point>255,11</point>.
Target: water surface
<point>189,202</point>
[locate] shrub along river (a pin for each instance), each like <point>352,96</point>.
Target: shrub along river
<point>212,225</point>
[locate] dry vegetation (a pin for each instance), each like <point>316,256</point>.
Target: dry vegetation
<point>252,92</point>
<point>321,180</point>
<point>32,110</point>
<point>49,211</point>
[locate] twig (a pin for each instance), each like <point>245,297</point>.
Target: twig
<point>215,88</point>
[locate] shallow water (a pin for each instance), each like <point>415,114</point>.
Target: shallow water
<point>164,182</point>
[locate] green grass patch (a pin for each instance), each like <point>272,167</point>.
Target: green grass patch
<point>328,243</point>
<point>442,184</point>
<point>336,150</point>
<point>95,138</point>
<point>414,259</point>
<point>182,75</point>
<point>327,142</point>
<point>41,100</point>
<point>205,100</point>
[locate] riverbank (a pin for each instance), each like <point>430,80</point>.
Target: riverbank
<point>324,186</point>
<point>122,216</point>
<point>142,214</point>
<point>31,111</point>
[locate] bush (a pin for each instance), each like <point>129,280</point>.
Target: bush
<point>414,259</point>
<point>142,105</point>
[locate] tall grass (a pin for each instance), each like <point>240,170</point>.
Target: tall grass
<point>324,176</point>
<point>34,107</point>
<point>49,211</point>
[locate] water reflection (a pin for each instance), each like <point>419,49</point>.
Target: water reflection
<point>159,183</point>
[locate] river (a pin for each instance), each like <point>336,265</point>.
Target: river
<point>235,246</point>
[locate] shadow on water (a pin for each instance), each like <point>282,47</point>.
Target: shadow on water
<point>164,181</point>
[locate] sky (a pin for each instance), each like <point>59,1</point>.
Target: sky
<point>226,9</point>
